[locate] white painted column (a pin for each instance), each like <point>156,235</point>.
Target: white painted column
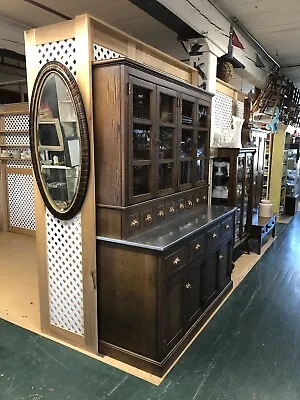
<point>207,61</point>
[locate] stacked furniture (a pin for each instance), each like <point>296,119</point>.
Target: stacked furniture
<point>164,257</point>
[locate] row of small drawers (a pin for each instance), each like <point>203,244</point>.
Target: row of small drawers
<point>204,242</point>
<point>159,213</point>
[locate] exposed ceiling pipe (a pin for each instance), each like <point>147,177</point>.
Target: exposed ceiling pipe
<point>254,42</point>
<point>50,10</point>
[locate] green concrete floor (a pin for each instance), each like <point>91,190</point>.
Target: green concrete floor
<point>250,349</point>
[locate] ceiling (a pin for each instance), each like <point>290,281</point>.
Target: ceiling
<point>275,24</point>
<point>119,13</point>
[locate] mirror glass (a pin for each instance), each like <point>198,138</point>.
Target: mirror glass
<point>58,142</point>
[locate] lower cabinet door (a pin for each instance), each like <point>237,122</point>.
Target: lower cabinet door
<point>209,279</point>
<point>225,264</point>
<point>173,311</point>
<point>193,306</point>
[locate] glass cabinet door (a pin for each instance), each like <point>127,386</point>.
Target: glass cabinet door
<point>202,143</point>
<point>141,132</point>
<point>240,192</point>
<point>220,181</point>
<point>167,132</point>
<point>247,191</point>
<point>187,142</point>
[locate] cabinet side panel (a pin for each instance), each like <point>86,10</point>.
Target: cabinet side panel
<point>127,299</point>
<point>108,132</point>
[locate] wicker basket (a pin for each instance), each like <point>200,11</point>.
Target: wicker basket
<point>225,71</point>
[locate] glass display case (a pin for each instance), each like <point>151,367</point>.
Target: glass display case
<point>232,185</point>
<point>292,179</point>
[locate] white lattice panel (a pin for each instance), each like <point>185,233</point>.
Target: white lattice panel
<point>65,273</point>
<point>17,122</point>
<point>64,238</point>
<point>63,51</point>
<point>223,111</point>
<point>240,109</point>
<point>102,53</point>
<point>19,164</point>
<point>21,201</point>
<point>17,138</point>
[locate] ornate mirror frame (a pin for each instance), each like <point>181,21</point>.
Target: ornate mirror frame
<point>67,77</point>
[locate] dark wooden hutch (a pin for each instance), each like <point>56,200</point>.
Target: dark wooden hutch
<point>164,257</point>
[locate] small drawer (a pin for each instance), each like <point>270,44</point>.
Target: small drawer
<point>197,247</point>
<point>147,217</point>
<point>213,237</point>
<point>159,213</point>
<point>189,202</point>
<point>227,227</point>
<point>200,198</point>
<point>133,222</point>
<point>175,261</point>
<point>180,205</point>
<point>170,209</point>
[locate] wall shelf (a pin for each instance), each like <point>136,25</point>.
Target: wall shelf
<point>15,145</point>
<point>14,159</point>
<point>13,132</point>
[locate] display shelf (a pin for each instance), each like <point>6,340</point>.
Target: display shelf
<point>15,145</point>
<point>8,113</point>
<point>45,166</point>
<point>14,132</point>
<point>14,159</point>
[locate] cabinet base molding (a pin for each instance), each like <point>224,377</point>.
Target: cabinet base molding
<point>159,368</point>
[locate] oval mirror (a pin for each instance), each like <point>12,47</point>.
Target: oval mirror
<point>59,140</point>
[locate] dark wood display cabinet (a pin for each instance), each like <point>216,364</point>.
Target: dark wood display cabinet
<point>232,185</point>
<point>259,140</point>
<point>163,255</point>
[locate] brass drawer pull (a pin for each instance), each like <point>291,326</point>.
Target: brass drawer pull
<point>204,197</point>
<point>190,203</point>
<point>161,213</point>
<point>176,261</point>
<point>214,235</point>
<point>181,205</point>
<point>188,286</point>
<point>197,247</point>
<point>197,200</point>
<point>227,227</point>
<point>134,223</point>
<point>148,218</point>
<point>220,257</point>
<point>172,210</point>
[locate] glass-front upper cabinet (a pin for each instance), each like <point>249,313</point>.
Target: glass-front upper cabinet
<point>141,138</point>
<point>168,141</point>
<point>187,142</point>
<point>167,132</point>
<point>202,142</point>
